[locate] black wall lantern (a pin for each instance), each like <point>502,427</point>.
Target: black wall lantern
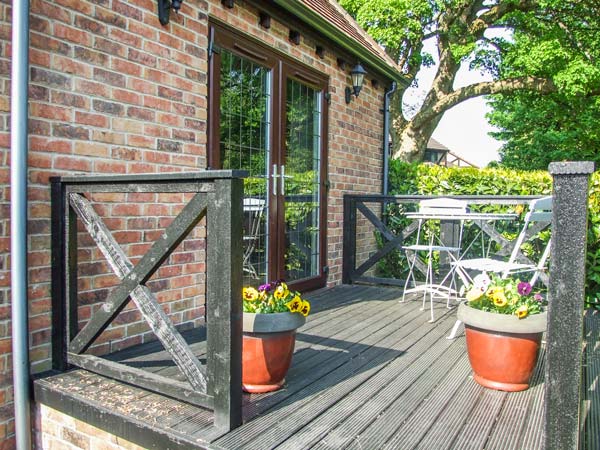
<point>164,9</point>
<point>358,75</point>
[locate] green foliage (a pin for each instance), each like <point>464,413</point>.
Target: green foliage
<point>545,46</point>
<point>422,179</point>
<point>562,46</point>
<point>538,130</point>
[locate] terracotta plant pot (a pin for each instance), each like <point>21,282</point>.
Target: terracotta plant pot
<point>502,349</point>
<point>267,348</point>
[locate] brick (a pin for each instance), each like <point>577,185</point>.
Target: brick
<point>172,94</point>
<point>127,125</point>
<point>46,9</point>
<point>140,113</point>
<point>110,167</point>
<point>83,7</point>
<point>92,88</point>
<point>126,10</point>
<point>157,76</point>
<point>91,26</point>
<point>186,110</point>
<point>37,92</point>
<point>169,146</point>
<point>40,24</point>
<point>156,49</point>
<point>125,96</point>
<point>72,163</point>
<point>196,51</point>
<point>128,154</point>
<point>168,40</point>
<point>157,157</point>
<point>157,103</point>
<point>39,160</point>
<point>37,143</point>
<point>199,125</point>
<point>111,17</point>
<point>108,137</point>
<point>48,78</point>
<point>127,38</point>
<point>114,109</point>
<point>95,120</point>
<point>184,135</point>
<point>126,67</point>
<point>141,141</point>
<point>142,86</point>
<point>91,149</point>
<point>38,127</point>
<point>112,78</point>
<point>65,130</point>
<point>157,130</point>
<point>50,112</point>
<point>171,67</point>
<point>68,99</point>
<point>110,47</point>
<point>39,58</point>
<point>73,35</point>
<point>90,56</point>
<point>140,29</point>
<point>44,42</point>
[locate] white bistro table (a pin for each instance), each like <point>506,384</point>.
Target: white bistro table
<point>442,289</point>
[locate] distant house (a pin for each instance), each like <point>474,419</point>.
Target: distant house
<point>437,153</point>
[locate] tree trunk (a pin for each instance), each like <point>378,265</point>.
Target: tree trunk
<point>412,140</point>
<point>413,135</point>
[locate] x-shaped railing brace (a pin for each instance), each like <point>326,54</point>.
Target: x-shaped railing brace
<point>132,286</point>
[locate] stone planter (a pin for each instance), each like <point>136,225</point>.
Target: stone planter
<point>502,349</point>
<point>267,348</point>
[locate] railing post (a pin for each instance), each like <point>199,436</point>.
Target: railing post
<point>349,237</point>
<point>224,301</point>
<point>566,300</point>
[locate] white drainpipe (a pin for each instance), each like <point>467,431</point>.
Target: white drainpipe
<point>18,220</point>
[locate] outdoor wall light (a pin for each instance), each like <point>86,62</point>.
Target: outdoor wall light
<point>358,75</point>
<point>164,9</point>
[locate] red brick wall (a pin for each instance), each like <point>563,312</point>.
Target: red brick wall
<point>112,91</point>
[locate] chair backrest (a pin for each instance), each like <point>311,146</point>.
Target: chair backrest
<point>254,208</point>
<point>443,205</point>
<point>540,211</point>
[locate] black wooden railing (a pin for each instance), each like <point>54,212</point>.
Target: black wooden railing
<point>562,428</point>
<point>371,207</point>
<point>218,197</point>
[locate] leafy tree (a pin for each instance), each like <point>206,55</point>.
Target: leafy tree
<point>548,46</point>
<point>538,130</point>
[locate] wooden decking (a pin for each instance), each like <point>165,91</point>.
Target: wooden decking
<point>368,373</point>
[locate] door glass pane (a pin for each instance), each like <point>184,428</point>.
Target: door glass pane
<point>302,184</point>
<point>244,144</point>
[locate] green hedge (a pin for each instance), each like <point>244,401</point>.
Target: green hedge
<point>424,179</point>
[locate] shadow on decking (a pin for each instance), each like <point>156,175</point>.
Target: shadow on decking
<point>368,373</point>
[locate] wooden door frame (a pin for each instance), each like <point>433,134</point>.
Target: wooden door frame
<point>281,66</point>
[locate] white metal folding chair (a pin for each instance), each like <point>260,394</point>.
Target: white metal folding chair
<point>253,210</point>
<point>432,209</point>
<point>537,219</point>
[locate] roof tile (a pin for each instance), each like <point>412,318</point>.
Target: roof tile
<point>333,12</point>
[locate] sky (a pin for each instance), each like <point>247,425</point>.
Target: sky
<point>464,128</point>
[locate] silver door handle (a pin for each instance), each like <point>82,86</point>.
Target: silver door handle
<point>283,177</point>
<point>274,175</point>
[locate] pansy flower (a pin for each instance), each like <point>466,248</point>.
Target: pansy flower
<point>250,294</point>
<point>522,311</point>
<point>524,288</point>
<point>481,282</point>
<point>305,309</point>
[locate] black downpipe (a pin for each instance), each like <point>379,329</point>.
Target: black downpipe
<point>386,136</point>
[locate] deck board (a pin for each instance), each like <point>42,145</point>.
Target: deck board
<point>368,372</point>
